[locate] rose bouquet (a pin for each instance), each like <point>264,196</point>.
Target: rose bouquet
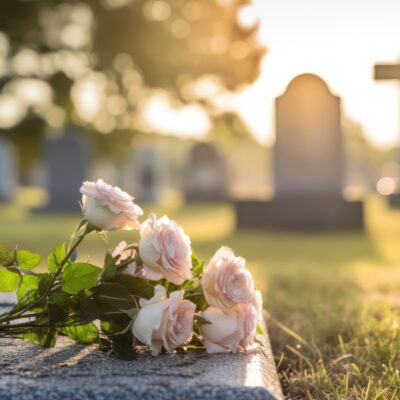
<point>155,292</point>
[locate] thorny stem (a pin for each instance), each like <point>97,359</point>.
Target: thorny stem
<point>13,317</point>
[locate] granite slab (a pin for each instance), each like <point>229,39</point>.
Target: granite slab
<point>75,372</point>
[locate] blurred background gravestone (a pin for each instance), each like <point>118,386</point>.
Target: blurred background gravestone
<point>308,165</point>
<point>205,175</point>
<point>8,171</point>
<point>67,160</point>
<point>147,175</point>
<point>390,72</point>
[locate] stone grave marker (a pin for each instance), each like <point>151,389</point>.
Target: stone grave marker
<point>308,165</point>
<point>8,171</point>
<point>74,372</point>
<point>389,72</point>
<point>205,175</point>
<point>66,160</point>
<point>147,175</point>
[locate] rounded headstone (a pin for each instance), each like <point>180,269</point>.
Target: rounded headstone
<point>66,160</point>
<point>308,153</point>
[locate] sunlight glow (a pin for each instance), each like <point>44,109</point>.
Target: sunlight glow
<point>88,95</point>
<point>247,17</point>
<point>157,10</point>
<point>386,186</point>
<point>31,92</point>
<point>184,121</point>
<point>339,41</point>
<point>26,62</point>
<point>254,373</point>
<point>11,111</point>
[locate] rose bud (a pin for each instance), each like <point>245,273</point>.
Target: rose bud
<point>226,281</point>
<point>165,250</point>
<point>163,322</point>
<point>229,331</point>
<point>124,254</point>
<point>109,208</point>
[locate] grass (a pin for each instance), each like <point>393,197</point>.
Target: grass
<point>333,300</point>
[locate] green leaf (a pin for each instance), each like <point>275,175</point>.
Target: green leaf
<point>26,295</point>
<point>32,286</point>
<point>22,292</point>
<point>45,337</point>
<point>60,298</point>
<point>109,270</point>
<point>83,334</point>
<point>192,284</point>
<point>118,326</point>
<point>114,295</point>
<point>79,276</point>
<point>6,256</point>
<point>197,265</point>
<point>31,281</point>
<point>88,309</point>
<point>44,283</point>
<point>122,347</point>
<point>28,260</point>
<point>9,280</point>
<point>197,297</point>
<point>138,287</point>
<point>83,229</point>
<point>56,257</point>
<point>260,330</point>
<point>56,313</point>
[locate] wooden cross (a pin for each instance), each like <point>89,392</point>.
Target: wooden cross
<point>387,72</point>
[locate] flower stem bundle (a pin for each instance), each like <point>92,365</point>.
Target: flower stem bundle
<point>153,293</point>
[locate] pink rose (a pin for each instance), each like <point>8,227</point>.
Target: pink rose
<point>229,331</point>
<point>163,322</point>
<point>109,208</point>
<point>124,254</point>
<point>165,250</point>
<point>226,281</point>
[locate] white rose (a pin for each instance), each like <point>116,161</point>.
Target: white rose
<point>229,331</point>
<point>163,322</point>
<point>226,281</point>
<point>109,208</point>
<point>165,250</point>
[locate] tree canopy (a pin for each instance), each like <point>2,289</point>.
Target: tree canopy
<point>118,50</point>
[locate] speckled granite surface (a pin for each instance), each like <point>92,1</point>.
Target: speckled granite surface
<point>74,372</point>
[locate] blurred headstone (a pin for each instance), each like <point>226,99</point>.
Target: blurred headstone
<point>8,170</point>
<point>147,175</point>
<point>66,161</point>
<point>390,72</point>
<point>205,175</point>
<point>308,165</point>
<point>35,176</point>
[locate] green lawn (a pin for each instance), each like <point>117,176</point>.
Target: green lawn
<point>333,300</point>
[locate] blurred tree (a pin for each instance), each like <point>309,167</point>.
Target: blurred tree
<point>177,41</point>
<point>101,58</point>
<point>364,161</point>
<point>229,126</point>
